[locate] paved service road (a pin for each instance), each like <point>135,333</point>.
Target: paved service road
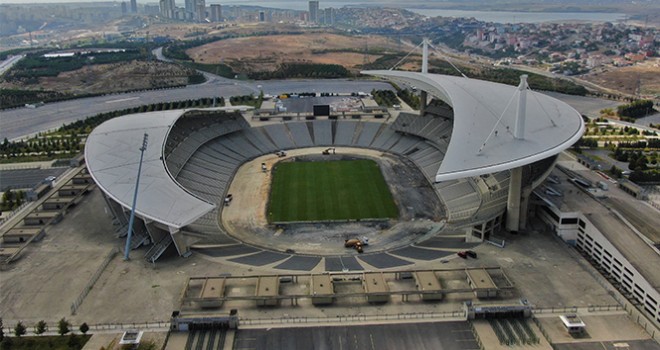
<point>19,122</point>
<point>439,336</point>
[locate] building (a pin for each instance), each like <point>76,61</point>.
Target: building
<point>134,6</point>
<point>200,10</point>
<point>262,16</point>
<point>151,9</point>
<point>314,11</point>
<point>190,6</point>
<point>167,8</point>
<point>216,13</point>
<point>329,16</point>
<point>124,8</point>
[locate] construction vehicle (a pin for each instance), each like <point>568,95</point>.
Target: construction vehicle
<point>327,151</point>
<point>354,243</point>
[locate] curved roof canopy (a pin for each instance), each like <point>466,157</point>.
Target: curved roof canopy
<point>112,153</point>
<point>482,140</point>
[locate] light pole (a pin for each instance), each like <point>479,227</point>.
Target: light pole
<point>137,182</point>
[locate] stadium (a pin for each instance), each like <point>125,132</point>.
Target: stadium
<point>215,182</point>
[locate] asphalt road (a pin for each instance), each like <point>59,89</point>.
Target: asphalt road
<point>440,336</point>
<point>9,62</point>
<point>19,122</point>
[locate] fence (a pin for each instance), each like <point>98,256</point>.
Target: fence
<point>476,336</point>
<point>76,304</point>
<point>52,327</point>
<point>354,318</point>
<point>649,326</point>
<point>14,212</point>
<point>498,242</point>
<point>543,331</point>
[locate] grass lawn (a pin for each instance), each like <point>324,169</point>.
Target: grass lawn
<point>336,190</point>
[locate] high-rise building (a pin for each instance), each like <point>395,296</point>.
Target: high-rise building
<point>329,16</point>
<point>190,6</point>
<point>262,16</point>
<point>150,9</point>
<point>200,10</point>
<point>314,11</point>
<point>123,8</point>
<point>167,8</point>
<point>216,13</point>
<point>133,6</point>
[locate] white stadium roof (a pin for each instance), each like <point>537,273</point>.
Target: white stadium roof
<point>482,140</point>
<point>112,153</point>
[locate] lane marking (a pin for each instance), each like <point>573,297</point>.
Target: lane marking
<point>123,99</point>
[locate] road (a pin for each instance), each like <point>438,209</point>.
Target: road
<point>440,335</point>
<point>20,122</point>
<point>9,62</point>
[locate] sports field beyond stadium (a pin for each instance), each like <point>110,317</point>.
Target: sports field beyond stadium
<point>335,190</point>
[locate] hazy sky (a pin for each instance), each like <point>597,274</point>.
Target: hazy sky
<point>228,2</point>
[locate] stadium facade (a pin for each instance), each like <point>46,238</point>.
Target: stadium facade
<point>483,146</point>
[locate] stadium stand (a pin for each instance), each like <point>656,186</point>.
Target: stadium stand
<point>211,155</point>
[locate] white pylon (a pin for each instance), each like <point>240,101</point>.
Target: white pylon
<point>519,131</point>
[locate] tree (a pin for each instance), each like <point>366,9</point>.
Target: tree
<point>20,329</point>
<point>63,326</point>
<point>2,331</point>
<point>40,328</point>
<point>7,344</point>
<point>84,328</point>
<point>74,342</point>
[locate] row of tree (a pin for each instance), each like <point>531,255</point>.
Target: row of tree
<point>649,176</point>
<point>637,160</point>
<point>636,109</point>
<point>36,65</point>
<point>650,143</point>
<point>409,97</point>
<point>41,145</point>
<point>12,200</point>
<point>385,97</point>
<point>72,342</point>
<point>41,327</point>
<point>86,125</point>
<point>247,100</point>
<point>303,70</point>
<point>67,139</point>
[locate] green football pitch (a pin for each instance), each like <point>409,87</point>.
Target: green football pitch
<point>335,190</point>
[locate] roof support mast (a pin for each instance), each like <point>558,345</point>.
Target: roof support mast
<point>423,96</point>
<point>425,55</point>
<point>137,182</point>
<point>519,130</point>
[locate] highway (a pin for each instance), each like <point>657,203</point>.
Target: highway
<point>9,62</point>
<point>20,122</point>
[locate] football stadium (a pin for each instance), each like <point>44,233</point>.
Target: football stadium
<point>293,190</point>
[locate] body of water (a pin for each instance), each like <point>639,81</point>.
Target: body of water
<point>525,17</point>
<point>486,16</point>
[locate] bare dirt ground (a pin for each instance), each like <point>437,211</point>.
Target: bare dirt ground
<point>265,53</point>
<point>419,207</point>
<point>107,78</point>
<point>188,31</point>
<point>626,79</point>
